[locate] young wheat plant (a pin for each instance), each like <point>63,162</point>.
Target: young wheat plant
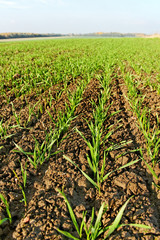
<point>95,229</point>
<point>7,210</point>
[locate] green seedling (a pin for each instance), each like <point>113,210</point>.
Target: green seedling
<point>50,99</point>
<point>24,177</point>
<point>42,152</point>
<point>24,174</point>
<point>75,97</point>
<point>40,109</point>
<point>94,146</point>
<point>97,130</point>
<point>7,98</point>
<point>95,230</point>
<point>20,150</point>
<point>39,154</point>
<point>62,124</point>
<point>7,210</point>
<point>148,166</point>
<point>31,113</point>
<point>101,177</point>
<point>105,81</point>
<point>151,136</point>
<point>3,129</point>
<point>136,105</point>
<point>63,120</point>
<point>17,117</point>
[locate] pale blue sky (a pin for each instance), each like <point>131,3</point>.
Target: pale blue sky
<point>80,16</point>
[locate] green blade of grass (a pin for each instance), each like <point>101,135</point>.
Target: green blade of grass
<point>24,174</point>
<point>124,166</point>
<point>89,179</point>
<point>71,212</point>
<point>117,220</point>
<point>151,170</point>
<point>82,223</point>
<point>3,220</point>
<point>21,150</point>
<point>156,185</point>
<point>90,163</point>
<point>136,225</point>
<point>128,164</point>
<point>32,162</point>
<point>98,221</point>
<point>67,234</point>
<point>7,207</point>
<point>100,213</point>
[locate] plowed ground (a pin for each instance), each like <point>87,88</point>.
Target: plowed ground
<point>46,208</point>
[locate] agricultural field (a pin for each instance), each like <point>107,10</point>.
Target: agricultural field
<point>80,139</point>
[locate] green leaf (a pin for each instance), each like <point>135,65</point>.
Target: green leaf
<point>90,163</point>
<point>3,220</point>
<point>136,225</point>
<point>67,234</point>
<point>89,179</point>
<point>98,221</point>
<point>3,199</point>
<point>7,207</point>
<point>124,166</point>
<point>100,213</point>
<point>128,164</point>
<point>117,220</point>
<point>32,162</point>
<point>151,170</point>
<point>71,212</point>
<point>82,224</point>
<point>51,117</point>
<point>21,150</point>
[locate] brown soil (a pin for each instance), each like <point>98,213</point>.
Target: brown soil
<point>46,208</point>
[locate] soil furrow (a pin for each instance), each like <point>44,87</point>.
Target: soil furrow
<point>136,180</point>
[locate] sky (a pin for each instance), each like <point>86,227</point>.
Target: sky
<point>80,16</point>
